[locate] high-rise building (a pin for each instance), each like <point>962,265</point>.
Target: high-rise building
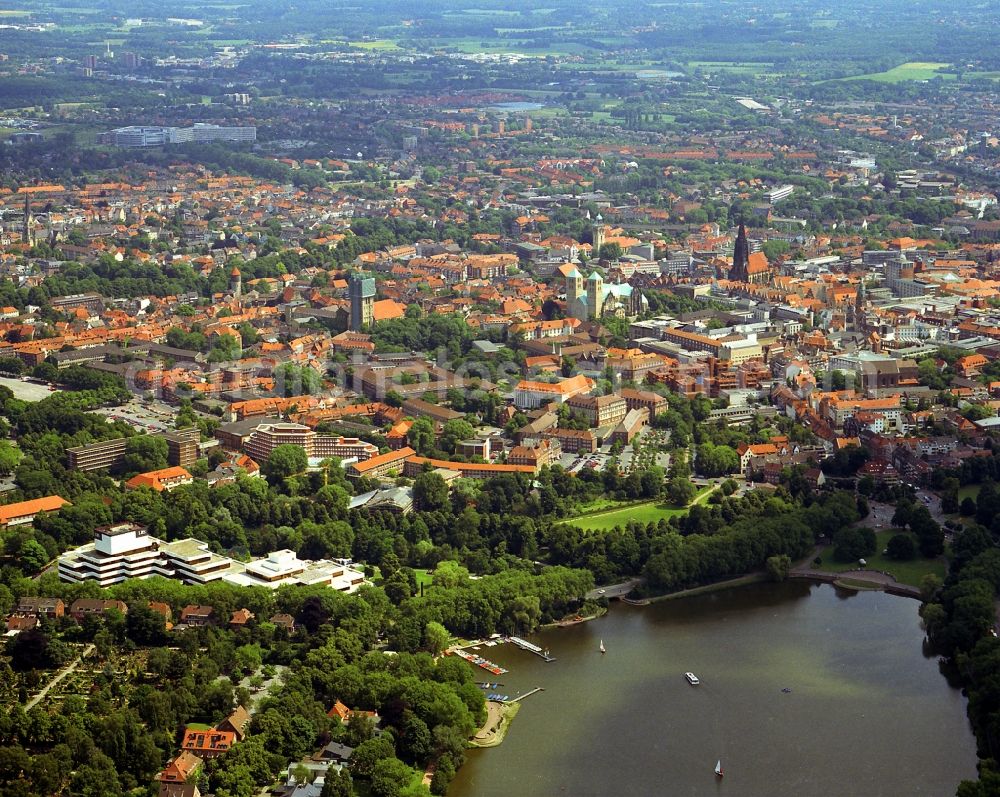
<point>361,291</point>
<point>183,446</point>
<point>97,456</point>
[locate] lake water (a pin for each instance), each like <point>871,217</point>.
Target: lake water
<point>868,714</point>
<point>516,106</point>
<point>657,74</point>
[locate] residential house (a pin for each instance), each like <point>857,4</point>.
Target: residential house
<point>40,607</point>
<point>179,770</point>
<point>237,722</point>
<point>240,618</point>
<point>193,614</point>
<point>285,621</point>
<point>84,607</point>
<point>209,743</point>
<point>165,479</point>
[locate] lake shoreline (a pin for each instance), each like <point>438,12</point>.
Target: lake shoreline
<point>815,642</point>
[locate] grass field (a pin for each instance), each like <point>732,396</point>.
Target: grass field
<point>905,572</point>
<point>599,505</point>
<point>650,512</point>
<point>745,67</point>
<point>912,70</point>
<point>378,44</point>
<point>607,517</point>
<point>969,491</point>
<point>423,577</point>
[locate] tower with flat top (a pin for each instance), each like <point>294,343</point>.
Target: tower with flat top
<point>597,235</point>
<point>361,291</point>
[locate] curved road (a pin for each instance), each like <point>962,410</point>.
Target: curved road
<point>614,590</point>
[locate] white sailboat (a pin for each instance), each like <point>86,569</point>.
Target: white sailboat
<point>602,647</point>
<point>718,768</point>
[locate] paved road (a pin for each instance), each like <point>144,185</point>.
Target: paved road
<point>62,674</point>
<point>614,590</point>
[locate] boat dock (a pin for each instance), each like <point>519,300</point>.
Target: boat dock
<point>527,694</point>
<point>479,661</point>
<point>523,644</point>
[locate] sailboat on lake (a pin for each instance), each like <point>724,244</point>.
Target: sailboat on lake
<point>603,650</point>
<point>718,768</point>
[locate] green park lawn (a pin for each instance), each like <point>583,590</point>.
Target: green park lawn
<point>604,516</point>
<point>912,70</point>
<point>969,491</point>
<point>911,572</point>
<point>424,577</point>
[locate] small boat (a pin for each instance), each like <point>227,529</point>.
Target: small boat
<point>602,647</point>
<point>692,678</point>
<point>718,768</point>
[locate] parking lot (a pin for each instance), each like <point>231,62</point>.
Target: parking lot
<point>150,418</point>
<point>27,391</point>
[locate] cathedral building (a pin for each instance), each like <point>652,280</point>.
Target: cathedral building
<point>593,298</point>
<point>857,320</point>
<point>740,271</point>
<point>749,267</point>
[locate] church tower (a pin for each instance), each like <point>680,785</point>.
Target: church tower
<point>597,235</point>
<point>740,272</point>
<point>574,286</point>
<point>595,296</point>
<point>28,226</point>
<point>860,301</point>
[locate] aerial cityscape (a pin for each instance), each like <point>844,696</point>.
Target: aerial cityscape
<point>499,400</point>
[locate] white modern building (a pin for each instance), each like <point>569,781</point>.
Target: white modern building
<point>118,553</point>
<point>775,195</point>
<point>127,551</point>
<point>154,136</point>
<point>284,567</point>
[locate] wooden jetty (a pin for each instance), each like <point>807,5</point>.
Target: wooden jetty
<point>524,644</point>
<point>526,694</point>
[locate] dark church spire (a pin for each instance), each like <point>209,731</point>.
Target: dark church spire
<point>740,272</point>
<point>27,228</point>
